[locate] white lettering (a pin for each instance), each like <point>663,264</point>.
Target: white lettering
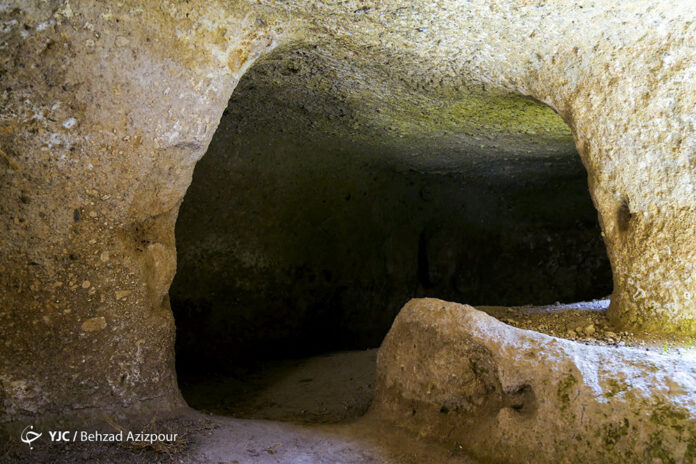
<point>85,436</point>
<point>59,435</point>
<point>101,437</point>
<point>151,437</point>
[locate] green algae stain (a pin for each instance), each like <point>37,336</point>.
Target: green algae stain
<point>666,415</point>
<point>690,455</point>
<point>613,432</point>
<point>656,449</point>
<point>614,387</point>
<point>476,114</point>
<point>565,388</point>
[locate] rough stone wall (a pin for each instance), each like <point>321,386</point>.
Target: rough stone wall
<point>628,98</point>
<point>106,108</point>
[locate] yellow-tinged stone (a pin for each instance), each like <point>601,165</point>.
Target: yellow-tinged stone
<point>94,324</point>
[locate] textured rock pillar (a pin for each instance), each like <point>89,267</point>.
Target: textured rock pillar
<point>104,112</point>
<point>652,248</point>
<point>632,113</point>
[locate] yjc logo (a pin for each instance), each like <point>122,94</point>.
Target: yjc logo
<point>29,436</point>
<point>60,436</point>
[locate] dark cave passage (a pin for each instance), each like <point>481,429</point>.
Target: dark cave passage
<point>297,238</point>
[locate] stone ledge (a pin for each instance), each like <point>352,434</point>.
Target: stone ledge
<point>451,372</point>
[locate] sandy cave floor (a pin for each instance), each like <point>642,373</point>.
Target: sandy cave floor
<point>298,411</point>
<point>217,440</point>
<point>314,410</point>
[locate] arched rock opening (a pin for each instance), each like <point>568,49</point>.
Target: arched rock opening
<point>316,213</point>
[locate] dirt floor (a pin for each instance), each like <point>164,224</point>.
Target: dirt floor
<point>325,389</point>
<point>218,440</point>
<point>314,410</point>
<point>298,412</point>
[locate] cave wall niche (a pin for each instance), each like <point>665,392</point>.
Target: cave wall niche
<point>315,215</point>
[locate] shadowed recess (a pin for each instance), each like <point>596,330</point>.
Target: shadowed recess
<point>314,217</point>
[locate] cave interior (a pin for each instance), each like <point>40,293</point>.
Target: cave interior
<point>312,219</point>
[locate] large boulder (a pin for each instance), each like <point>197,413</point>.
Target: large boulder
<point>451,372</point>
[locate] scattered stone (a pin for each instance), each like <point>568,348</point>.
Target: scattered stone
<point>69,123</point>
<point>86,284</point>
<point>122,294</point>
<point>94,324</point>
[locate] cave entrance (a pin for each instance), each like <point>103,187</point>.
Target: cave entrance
<point>312,220</point>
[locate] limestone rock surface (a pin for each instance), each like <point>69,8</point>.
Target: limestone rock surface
<point>104,111</point>
<point>451,372</point>
<point>105,108</point>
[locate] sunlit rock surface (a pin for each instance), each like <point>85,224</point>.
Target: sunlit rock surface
<point>454,373</point>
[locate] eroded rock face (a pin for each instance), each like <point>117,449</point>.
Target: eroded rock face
<point>105,108</point>
<point>508,395</point>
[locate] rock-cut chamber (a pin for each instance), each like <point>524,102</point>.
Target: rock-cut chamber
<point>325,202</point>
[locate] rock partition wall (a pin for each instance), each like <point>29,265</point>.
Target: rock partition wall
<point>107,107</point>
<point>105,111</point>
